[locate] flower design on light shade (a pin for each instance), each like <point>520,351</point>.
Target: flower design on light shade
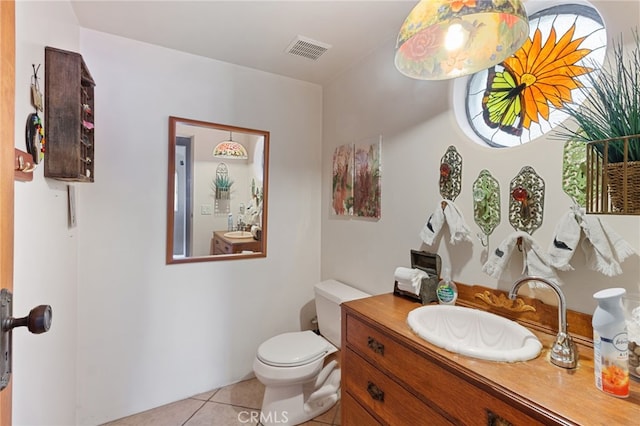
<point>457,5</point>
<point>442,39</point>
<point>230,150</point>
<point>425,44</point>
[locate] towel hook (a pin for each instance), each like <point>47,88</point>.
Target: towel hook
<point>484,239</point>
<point>526,201</point>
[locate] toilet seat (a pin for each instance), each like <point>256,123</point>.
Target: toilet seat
<point>293,349</point>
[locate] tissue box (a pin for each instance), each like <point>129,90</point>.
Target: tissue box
<point>430,263</point>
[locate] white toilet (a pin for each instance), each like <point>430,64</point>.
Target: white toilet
<point>298,386</point>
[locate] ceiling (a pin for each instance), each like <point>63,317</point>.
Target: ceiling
<point>256,33</point>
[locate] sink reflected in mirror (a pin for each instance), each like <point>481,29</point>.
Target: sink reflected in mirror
<point>474,333</point>
<point>217,192</point>
<point>238,234</point>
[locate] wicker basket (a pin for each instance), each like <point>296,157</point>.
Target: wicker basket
<point>617,193</point>
<point>612,187</point>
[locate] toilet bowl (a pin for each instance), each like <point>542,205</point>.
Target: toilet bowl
<point>299,383</point>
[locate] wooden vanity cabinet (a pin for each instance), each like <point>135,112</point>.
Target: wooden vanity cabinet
<point>390,376</point>
<point>223,245</point>
<point>69,117</point>
<point>397,383</point>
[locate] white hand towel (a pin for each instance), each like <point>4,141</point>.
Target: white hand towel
<point>458,228</point>
<point>432,228</point>
<point>535,261</point>
<point>565,241</point>
<point>499,258</point>
<point>410,280</point>
<point>448,213</point>
<point>404,274</point>
<point>621,248</point>
<point>604,248</point>
<point>600,259</point>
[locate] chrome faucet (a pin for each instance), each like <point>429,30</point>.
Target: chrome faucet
<point>564,352</point>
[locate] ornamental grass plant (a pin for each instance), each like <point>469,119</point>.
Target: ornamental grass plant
<point>611,109</point>
<point>221,185</point>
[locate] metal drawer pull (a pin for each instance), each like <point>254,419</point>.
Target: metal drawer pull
<point>495,420</point>
<point>375,392</point>
<point>375,346</point>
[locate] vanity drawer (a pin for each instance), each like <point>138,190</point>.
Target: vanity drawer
<point>385,352</point>
<point>221,247</point>
<point>380,394</point>
<point>353,414</point>
<point>452,394</point>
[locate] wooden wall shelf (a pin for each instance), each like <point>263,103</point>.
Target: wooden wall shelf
<point>69,117</point>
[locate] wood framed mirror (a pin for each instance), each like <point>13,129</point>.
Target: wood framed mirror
<point>217,192</point>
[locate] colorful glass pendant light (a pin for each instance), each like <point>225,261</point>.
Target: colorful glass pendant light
<point>230,150</point>
<point>443,39</point>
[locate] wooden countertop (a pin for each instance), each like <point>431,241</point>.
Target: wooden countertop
<point>570,396</point>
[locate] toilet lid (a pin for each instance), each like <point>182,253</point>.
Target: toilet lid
<point>293,349</point>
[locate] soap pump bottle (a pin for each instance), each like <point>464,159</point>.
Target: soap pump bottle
<point>447,291</point>
<point>610,343</point>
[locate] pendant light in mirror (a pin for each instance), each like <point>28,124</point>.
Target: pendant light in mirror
<point>230,149</point>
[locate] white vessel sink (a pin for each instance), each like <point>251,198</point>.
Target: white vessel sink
<point>238,234</point>
<point>474,333</point>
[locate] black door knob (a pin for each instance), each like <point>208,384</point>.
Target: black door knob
<point>38,321</point>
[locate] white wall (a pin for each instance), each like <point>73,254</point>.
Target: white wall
<point>129,332</point>
<point>46,250</point>
<point>365,253</point>
<point>149,333</point>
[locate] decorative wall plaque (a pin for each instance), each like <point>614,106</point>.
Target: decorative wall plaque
<point>450,174</point>
<point>526,200</point>
<point>486,204</point>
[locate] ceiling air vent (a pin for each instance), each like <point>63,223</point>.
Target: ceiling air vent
<point>307,48</point>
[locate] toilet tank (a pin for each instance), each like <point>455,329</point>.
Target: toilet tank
<point>329,295</point>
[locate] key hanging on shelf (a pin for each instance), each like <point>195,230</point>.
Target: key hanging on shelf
<point>34,129</point>
<point>36,94</point>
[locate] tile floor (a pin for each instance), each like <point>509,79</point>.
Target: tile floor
<point>237,404</point>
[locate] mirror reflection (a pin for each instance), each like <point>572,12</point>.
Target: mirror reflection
<point>217,191</point>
